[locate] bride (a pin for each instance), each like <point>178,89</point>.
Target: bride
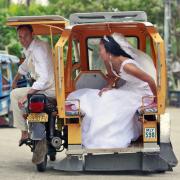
<point>109,120</point>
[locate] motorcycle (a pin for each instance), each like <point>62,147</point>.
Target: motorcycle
<point>41,115</point>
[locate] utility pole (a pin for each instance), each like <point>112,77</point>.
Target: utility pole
<point>28,2</point>
<point>167,26</point>
<point>167,39</point>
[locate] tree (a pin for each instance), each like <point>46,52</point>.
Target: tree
<point>5,3</point>
<point>153,8</point>
<point>176,27</point>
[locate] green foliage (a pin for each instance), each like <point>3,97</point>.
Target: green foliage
<point>153,8</point>
<point>4,3</point>
<point>15,48</point>
<point>17,10</point>
<point>6,33</point>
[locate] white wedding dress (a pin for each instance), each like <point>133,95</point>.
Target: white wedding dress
<point>110,120</point>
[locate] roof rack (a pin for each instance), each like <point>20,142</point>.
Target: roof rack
<point>97,17</point>
<point>37,18</point>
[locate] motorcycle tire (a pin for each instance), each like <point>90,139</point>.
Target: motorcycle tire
<point>42,166</point>
<point>52,157</point>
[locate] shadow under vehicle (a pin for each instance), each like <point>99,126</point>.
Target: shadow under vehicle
<point>77,66</point>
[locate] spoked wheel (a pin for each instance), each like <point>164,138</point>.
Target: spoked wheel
<point>42,166</point>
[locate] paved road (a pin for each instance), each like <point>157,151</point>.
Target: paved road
<point>15,162</point>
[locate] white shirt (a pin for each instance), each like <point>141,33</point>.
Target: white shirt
<point>39,64</point>
<point>175,66</point>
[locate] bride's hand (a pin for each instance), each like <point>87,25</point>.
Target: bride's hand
<point>104,90</point>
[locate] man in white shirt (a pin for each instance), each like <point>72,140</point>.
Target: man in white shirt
<point>176,71</point>
<point>38,63</point>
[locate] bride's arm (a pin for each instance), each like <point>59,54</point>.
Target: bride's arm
<point>109,86</point>
<point>140,74</point>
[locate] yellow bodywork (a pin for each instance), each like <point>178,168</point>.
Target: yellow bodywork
<point>160,60</point>
<point>74,134</point>
<point>64,84</point>
<point>59,73</point>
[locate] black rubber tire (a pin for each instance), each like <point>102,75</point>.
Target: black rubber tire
<point>52,157</point>
<point>42,166</point>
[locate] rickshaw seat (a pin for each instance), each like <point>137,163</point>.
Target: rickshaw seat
<point>71,108</point>
<point>144,110</point>
<point>93,79</point>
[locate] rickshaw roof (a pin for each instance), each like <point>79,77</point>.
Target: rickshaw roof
<point>100,17</point>
<point>101,21</point>
<point>41,24</point>
<point>7,58</point>
<point>98,28</point>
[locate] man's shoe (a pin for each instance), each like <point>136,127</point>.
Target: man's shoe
<point>24,138</point>
<point>40,151</point>
<point>24,141</point>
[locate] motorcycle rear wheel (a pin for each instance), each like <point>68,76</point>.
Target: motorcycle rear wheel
<point>42,166</point>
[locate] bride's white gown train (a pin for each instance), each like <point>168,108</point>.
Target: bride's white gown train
<point>110,120</point>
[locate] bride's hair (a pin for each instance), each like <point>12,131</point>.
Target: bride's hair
<point>113,47</point>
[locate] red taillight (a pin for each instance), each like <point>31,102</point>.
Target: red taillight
<point>36,107</point>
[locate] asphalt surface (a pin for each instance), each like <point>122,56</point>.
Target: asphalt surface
<point>15,162</point>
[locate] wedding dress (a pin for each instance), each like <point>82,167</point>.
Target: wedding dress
<point>110,120</point>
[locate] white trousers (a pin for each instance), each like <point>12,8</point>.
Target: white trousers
<point>16,95</point>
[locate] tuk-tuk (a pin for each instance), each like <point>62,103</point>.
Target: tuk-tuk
<point>76,66</point>
<point>8,65</point>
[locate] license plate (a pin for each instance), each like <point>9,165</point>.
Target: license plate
<point>150,133</point>
<point>37,117</point>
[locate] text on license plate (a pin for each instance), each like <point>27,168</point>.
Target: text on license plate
<point>37,117</point>
<point>150,132</point>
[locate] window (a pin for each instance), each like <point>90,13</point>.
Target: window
<point>5,76</point>
<point>75,53</point>
<point>75,58</point>
<point>95,62</point>
<point>148,45</point>
<point>133,41</point>
<point>5,71</point>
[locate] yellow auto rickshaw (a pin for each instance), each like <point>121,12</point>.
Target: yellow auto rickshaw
<point>76,66</point>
